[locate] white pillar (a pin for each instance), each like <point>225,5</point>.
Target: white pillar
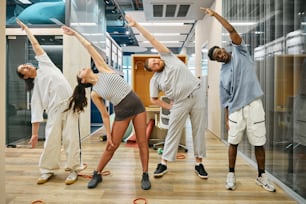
<point>75,57</point>
<point>208,30</point>
<point>3,99</point>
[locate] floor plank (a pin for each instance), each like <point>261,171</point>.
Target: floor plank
<point>180,185</point>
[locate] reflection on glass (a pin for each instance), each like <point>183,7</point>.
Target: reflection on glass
<point>88,17</point>
<point>277,41</point>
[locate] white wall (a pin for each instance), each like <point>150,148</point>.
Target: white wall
<point>2,96</point>
<point>208,30</point>
<point>75,57</point>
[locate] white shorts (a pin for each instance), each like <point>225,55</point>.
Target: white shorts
<point>251,118</point>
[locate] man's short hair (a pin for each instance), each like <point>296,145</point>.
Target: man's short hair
<point>211,52</point>
<point>146,65</point>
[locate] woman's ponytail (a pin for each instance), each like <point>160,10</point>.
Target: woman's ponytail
<point>78,100</point>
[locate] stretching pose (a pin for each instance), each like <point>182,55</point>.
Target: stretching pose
<point>240,95</point>
<point>127,105</point>
<point>174,78</point>
<point>51,92</point>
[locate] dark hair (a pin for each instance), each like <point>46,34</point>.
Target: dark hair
<point>211,52</point>
<point>29,82</point>
<point>78,100</point>
<point>146,65</point>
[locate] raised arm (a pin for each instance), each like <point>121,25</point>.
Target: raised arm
<point>155,43</point>
<point>35,44</point>
<point>235,37</point>
<point>97,58</point>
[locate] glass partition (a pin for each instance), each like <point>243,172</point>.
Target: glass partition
<point>275,32</point>
<point>88,17</point>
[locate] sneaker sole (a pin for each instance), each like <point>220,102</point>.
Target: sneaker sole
<point>146,187</point>
<point>230,188</point>
<point>42,181</point>
<point>199,175</point>
<point>69,182</point>
<point>160,174</point>
<point>260,184</point>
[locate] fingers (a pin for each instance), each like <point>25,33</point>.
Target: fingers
<point>33,143</point>
<point>111,143</point>
<point>130,20</point>
<point>68,30</point>
<point>20,23</point>
<point>207,10</point>
<point>127,17</point>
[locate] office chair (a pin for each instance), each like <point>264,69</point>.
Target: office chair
<point>164,123</point>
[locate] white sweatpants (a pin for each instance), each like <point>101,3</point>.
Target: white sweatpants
<point>194,106</point>
<point>61,129</point>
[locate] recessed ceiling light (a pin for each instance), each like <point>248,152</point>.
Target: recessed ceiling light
<point>83,24</point>
<point>243,23</point>
<point>161,24</point>
<point>166,34</point>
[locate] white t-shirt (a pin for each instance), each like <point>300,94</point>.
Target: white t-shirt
<point>176,80</point>
<point>50,88</point>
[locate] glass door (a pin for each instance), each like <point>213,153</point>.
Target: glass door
<point>18,107</point>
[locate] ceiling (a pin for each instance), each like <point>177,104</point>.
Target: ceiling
<point>170,21</point>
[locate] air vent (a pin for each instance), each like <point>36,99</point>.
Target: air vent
<point>158,10</point>
<point>170,10</point>
<point>183,10</point>
<point>175,10</point>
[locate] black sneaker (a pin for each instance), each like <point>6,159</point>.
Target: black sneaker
<point>160,170</point>
<point>96,178</point>
<point>145,182</point>
<point>199,169</point>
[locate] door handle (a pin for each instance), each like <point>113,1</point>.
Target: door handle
<point>28,101</point>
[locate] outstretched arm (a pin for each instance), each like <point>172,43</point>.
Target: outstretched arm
<point>155,43</point>
<point>97,58</point>
<point>104,114</point>
<point>235,37</point>
<point>35,44</point>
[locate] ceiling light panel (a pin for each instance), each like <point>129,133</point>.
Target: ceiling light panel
<point>167,44</point>
<point>167,29</point>
<point>163,37</point>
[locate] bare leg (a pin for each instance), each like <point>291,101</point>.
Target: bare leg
<point>260,158</point>
<point>198,160</point>
<point>232,155</point>
<point>139,122</point>
<point>118,130</point>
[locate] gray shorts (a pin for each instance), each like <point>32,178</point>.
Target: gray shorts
<point>129,106</point>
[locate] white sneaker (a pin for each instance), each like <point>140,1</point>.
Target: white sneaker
<point>44,178</point>
<point>265,183</point>
<point>230,181</point>
<point>73,177</point>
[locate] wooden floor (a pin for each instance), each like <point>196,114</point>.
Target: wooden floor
<point>180,185</point>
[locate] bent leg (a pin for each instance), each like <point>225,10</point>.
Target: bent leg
<point>118,130</point>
